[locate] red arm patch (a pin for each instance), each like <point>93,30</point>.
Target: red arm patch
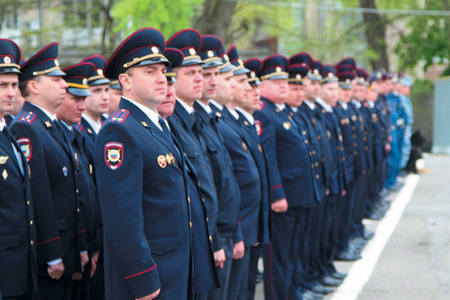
<point>258,126</point>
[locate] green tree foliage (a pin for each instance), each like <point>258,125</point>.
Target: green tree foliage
<point>168,16</point>
<point>426,37</point>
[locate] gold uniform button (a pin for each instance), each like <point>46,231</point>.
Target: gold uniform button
<point>207,219</point>
<point>31,242</point>
<point>317,176</point>
<point>317,164</point>
<point>78,191</point>
<point>31,223</point>
<point>210,238</point>
<point>190,224</point>
<point>203,200</point>
<point>343,159</point>
<point>355,153</point>
<point>28,202</point>
<point>198,183</point>
<point>366,148</point>
<point>355,144</point>
<point>354,127</point>
<point>78,210</point>
<point>24,185</point>
<point>354,136</point>
<point>306,141</point>
<point>189,199</point>
<point>312,165</point>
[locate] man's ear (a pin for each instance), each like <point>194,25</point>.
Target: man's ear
<point>125,81</point>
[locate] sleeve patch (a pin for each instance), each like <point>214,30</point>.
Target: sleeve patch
<point>258,127</point>
<point>114,155</point>
<point>25,146</point>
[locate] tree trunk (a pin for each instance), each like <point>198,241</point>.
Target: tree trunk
<point>375,29</point>
<point>216,18</point>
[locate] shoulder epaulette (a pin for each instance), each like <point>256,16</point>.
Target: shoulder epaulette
<point>261,105</point>
<point>78,127</point>
<point>27,117</point>
<point>119,116</point>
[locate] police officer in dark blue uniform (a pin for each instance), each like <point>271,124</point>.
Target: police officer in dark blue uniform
<point>338,189</point>
<point>245,110</point>
<point>298,72</point>
<point>69,113</point>
<point>96,103</point>
<point>183,122</point>
<point>291,179</point>
<point>141,183</point>
<point>226,184</point>
<point>61,236</point>
<point>205,277</point>
<point>245,169</point>
<point>18,260</point>
<point>347,248</point>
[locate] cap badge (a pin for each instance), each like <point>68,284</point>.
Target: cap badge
<point>56,63</point>
<point>240,62</point>
<point>192,51</point>
<point>330,74</point>
<point>100,72</point>
<point>155,50</point>
<point>278,69</point>
<point>252,74</point>
<point>210,53</point>
<point>226,57</point>
<point>85,81</point>
<point>7,60</point>
<point>298,76</point>
<point>347,81</point>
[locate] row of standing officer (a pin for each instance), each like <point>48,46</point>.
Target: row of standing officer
<point>297,165</point>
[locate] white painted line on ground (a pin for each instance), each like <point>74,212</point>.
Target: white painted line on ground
<point>361,270</point>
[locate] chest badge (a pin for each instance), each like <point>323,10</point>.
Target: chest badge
<point>3,159</point>
<point>162,161</point>
<point>5,174</point>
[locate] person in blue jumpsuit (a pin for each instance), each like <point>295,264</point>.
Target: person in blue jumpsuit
<point>18,253</point>
<point>140,175</point>
<point>404,91</point>
<point>398,122</point>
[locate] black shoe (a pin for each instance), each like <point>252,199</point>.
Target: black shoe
<point>259,276</point>
<point>320,289</point>
<point>309,295</point>
<point>330,281</point>
<point>368,234</point>
<point>348,256</point>
<point>384,192</point>
<point>396,186</point>
<point>339,275</point>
